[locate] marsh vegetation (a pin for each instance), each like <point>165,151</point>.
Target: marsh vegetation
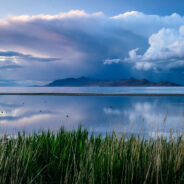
<point>77,157</point>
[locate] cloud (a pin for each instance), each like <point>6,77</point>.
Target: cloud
<point>9,67</point>
<point>166,51</point>
<point>64,15</point>
<point>145,25</point>
<point>14,56</point>
<point>110,61</point>
<point>75,43</point>
<point>11,61</point>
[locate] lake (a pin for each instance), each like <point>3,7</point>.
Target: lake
<point>144,115</point>
<point>100,90</point>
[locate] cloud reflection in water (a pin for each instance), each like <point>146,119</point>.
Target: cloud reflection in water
<point>98,114</point>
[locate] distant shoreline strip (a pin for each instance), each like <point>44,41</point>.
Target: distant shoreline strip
<point>93,94</point>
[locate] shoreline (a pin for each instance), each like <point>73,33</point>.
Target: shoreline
<point>93,94</point>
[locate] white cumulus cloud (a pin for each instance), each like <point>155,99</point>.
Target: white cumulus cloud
<point>146,25</point>
<point>166,50</point>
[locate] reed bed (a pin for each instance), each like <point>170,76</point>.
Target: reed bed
<point>75,157</point>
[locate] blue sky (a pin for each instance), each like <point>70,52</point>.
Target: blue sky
<point>45,40</point>
<point>109,7</point>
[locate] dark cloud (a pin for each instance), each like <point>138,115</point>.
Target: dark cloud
<point>26,57</point>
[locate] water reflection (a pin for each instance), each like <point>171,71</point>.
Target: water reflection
<point>106,90</point>
<point>98,114</point>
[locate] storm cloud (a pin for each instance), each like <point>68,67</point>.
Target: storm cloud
<point>75,43</point>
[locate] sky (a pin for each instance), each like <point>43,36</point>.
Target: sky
<point>45,40</point>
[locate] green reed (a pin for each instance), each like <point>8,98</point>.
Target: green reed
<point>75,157</point>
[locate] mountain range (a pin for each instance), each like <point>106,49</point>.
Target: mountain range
<point>85,81</point>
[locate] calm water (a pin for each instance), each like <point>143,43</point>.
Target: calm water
<point>98,114</point>
<point>114,90</point>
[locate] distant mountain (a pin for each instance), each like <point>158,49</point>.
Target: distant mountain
<point>84,81</point>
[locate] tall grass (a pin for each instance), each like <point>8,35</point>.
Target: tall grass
<point>70,157</point>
